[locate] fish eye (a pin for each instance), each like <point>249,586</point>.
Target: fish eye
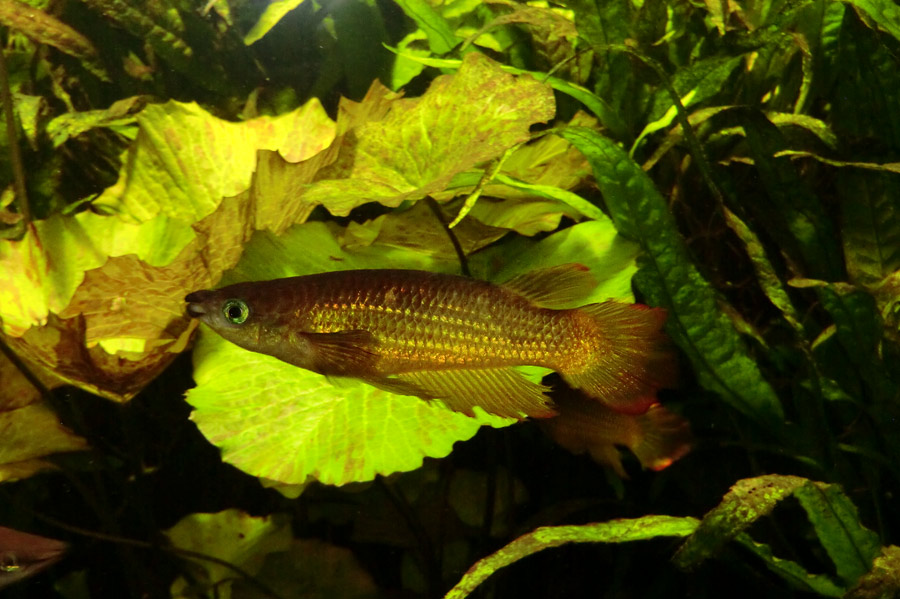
<point>9,562</point>
<point>236,311</point>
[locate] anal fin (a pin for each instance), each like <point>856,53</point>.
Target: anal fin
<point>499,391</point>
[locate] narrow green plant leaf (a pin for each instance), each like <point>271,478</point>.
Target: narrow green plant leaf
<point>46,29</point>
<point>747,501</point>
<point>791,571</point>
<point>766,275</point>
<point>615,531</point>
<point>867,73</point>
<point>870,210</point>
<point>884,13</point>
<point>851,546</point>
<point>554,193</point>
<point>274,12</point>
<point>441,38</point>
<point>858,328</point>
<point>793,215</point>
<point>669,279</point>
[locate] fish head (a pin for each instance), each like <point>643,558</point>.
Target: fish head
<point>246,315</point>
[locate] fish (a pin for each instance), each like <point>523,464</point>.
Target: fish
<point>23,554</point>
<point>452,338</point>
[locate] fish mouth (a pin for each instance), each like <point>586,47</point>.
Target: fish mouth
<point>195,300</point>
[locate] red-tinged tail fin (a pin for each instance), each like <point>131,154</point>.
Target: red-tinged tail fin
<point>630,360</point>
<point>657,438</point>
<point>664,437</point>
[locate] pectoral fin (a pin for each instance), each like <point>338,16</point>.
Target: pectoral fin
<point>345,353</point>
<point>500,391</point>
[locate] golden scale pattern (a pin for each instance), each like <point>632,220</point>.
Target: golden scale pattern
<point>442,326</point>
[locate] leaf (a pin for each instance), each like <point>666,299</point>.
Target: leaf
<point>850,546</point>
<point>886,14</point>
<point>310,567</point>
<point>791,571</point>
<point>766,276</point>
<point>793,215</point>
<point>30,429</point>
<point>46,29</point>
<point>669,279</point>
<point>867,73</point>
<point>232,536</point>
<point>441,38</point>
<point>883,581</point>
<point>119,117</point>
<point>747,501</point>
<point>615,531</point>
<point>462,120</point>
<point>870,210</point>
<point>274,12</point>
<point>591,101</point>
<point>595,244</point>
<point>184,160</point>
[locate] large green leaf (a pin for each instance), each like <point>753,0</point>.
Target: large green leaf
<point>185,160</point>
<point>462,120</point>
<point>668,278</point>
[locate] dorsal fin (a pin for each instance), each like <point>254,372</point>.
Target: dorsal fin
<point>562,286</point>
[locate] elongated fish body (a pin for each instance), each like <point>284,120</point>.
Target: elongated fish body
<point>449,337</point>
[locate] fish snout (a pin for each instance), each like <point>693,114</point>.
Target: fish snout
<point>196,303</point>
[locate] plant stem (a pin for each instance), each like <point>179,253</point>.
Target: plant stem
<point>15,154</point>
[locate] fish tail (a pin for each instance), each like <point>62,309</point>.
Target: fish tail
<point>664,437</point>
<point>628,357</point>
<point>657,437</point>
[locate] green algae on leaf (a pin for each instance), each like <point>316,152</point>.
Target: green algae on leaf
<point>746,501</point>
<point>615,531</point>
<point>668,278</point>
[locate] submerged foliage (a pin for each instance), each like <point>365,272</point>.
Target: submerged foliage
<point>733,163</point>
